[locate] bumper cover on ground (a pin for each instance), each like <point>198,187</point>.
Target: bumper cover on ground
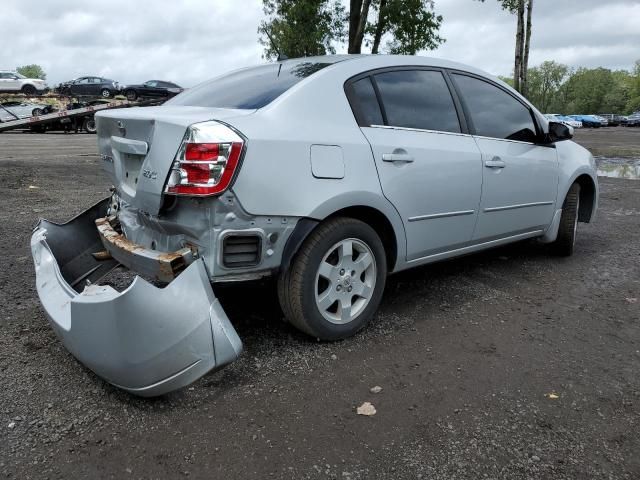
<point>145,340</point>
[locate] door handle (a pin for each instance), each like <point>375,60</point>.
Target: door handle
<point>495,162</point>
<point>397,156</point>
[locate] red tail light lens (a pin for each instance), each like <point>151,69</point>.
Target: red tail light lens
<point>203,167</point>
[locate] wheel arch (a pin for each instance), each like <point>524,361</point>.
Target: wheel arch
<point>385,222</point>
<point>588,197</point>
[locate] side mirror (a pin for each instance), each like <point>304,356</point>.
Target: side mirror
<point>559,131</point>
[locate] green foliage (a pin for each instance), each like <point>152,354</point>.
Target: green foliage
<point>300,28</point>
<point>544,82</point>
<point>32,71</point>
<point>413,25</point>
<point>554,88</point>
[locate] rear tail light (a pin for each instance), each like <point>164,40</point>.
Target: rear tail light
<point>206,162</point>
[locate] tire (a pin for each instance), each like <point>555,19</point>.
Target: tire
<point>89,125</point>
<point>566,239</point>
<point>29,90</point>
<point>131,95</point>
<point>322,271</point>
<point>36,112</point>
<point>105,92</point>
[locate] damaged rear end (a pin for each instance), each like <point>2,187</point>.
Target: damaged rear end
<point>147,340</point>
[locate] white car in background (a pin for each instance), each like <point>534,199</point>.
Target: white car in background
<point>556,117</point>
<point>13,82</point>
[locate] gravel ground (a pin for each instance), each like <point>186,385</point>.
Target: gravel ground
<point>507,364</point>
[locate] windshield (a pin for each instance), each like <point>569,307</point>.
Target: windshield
<point>250,88</point>
<point>19,75</point>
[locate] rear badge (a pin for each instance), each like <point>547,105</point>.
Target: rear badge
<point>151,174</point>
<point>107,158</point>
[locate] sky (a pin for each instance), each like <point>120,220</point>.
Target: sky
<point>189,41</point>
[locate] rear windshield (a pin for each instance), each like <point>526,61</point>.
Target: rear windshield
<point>250,88</point>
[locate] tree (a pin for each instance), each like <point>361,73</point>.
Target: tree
<point>523,40</point>
<point>301,28</point>
<point>413,26</point>
<point>358,16</point>
<point>310,27</point>
<point>32,71</point>
<point>633,104</point>
<point>545,82</point>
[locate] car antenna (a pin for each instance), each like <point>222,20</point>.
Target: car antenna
<point>281,56</point>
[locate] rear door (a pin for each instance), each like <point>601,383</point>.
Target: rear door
<point>520,176</point>
<point>428,167</point>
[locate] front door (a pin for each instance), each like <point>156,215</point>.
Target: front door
<point>520,176</point>
<point>429,170</point>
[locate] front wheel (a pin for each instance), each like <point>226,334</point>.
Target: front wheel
<point>336,280</point>
<point>106,93</point>
<point>568,229</point>
<point>131,95</point>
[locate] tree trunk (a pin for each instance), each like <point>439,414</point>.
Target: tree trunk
<point>355,10</point>
<point>377,36</point>
<point>359,36</point>
<point>525,61</point>
<point>517,66</point>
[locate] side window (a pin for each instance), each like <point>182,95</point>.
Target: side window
<point>494,112</point>
<point>417,99</point>
<point>365,103</point>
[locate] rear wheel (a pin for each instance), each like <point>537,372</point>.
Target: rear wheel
<point>336,280</point>
<point>29,90</point>
<point>568,229</point>
<point>89,125</point>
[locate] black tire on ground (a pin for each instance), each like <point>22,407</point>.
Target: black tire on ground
<point>131,95</point>
<point>298,286</point>
<point>29,90</point>
<point>106,93</point>
<point>89,125</point>
<point>567,231</point>
<point>36,112</point>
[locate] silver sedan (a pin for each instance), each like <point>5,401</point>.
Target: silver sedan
<point>328,173</point>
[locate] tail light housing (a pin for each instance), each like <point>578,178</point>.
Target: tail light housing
<point>206,162</point>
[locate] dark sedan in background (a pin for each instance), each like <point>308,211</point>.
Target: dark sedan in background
<point>90,86</point>
<point>152,89</point>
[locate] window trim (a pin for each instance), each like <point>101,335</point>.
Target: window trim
<point>472,129</point>
<point>462,121</point>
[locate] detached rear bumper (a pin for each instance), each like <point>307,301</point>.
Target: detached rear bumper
<point>146,340</point>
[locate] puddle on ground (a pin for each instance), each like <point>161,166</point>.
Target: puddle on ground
<point>618,167</point>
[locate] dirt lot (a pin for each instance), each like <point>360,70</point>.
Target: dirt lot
<point>470,354</point>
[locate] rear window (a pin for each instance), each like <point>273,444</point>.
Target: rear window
<point>250,88</point>
<point>418,99</point>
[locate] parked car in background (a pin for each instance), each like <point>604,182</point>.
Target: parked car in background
<point>588,121</point>
<point>632,120</point>
<point>17,110</point>
<point>90,86</point>
<point>603,121</point>
<point>556,117</point>
<point>152,89</point>
<point>13,82</point>
<point>325,172</point>
<point>613,119</point>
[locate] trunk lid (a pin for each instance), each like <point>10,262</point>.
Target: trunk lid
<point>138,145</point>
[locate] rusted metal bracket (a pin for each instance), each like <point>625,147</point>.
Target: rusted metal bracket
<point>162,266</point>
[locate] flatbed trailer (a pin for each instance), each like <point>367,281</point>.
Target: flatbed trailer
<point>71,115</point>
